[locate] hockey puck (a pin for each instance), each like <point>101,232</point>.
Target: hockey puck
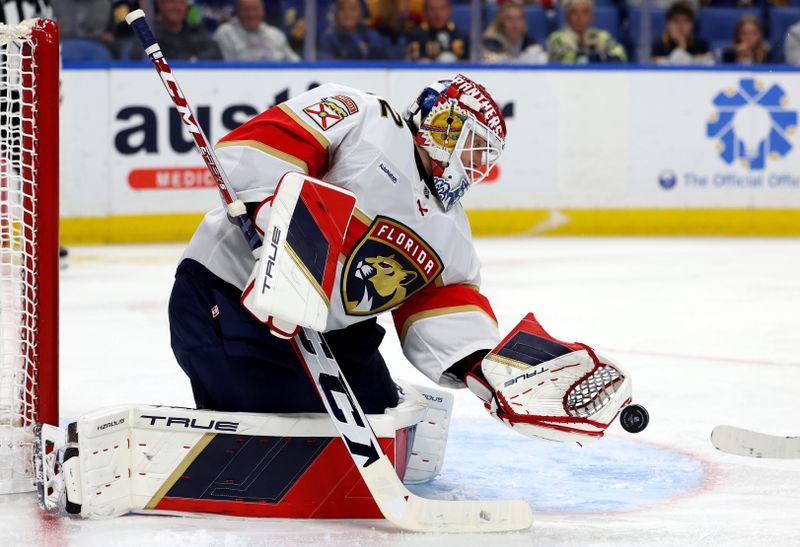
<point>634,418</point>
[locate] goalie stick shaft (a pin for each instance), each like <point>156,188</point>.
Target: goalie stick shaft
<point>236,208</point>
<point>744,442</point>
<point>396,502</point>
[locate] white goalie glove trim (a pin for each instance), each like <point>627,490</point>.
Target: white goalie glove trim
<point>574,397</point>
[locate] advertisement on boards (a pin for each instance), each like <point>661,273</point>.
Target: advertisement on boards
<point>715,139</point>
<point>576,138</point>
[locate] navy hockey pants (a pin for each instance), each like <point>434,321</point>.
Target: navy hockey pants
<point>235,364</point>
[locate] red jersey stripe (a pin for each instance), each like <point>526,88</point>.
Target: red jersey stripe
<point>359,224</point>
<point>436,301</point>
<point>281,130</point>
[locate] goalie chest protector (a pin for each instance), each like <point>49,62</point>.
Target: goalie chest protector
<point>399,240</point>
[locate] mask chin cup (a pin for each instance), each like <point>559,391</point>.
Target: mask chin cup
<point>448,193</point>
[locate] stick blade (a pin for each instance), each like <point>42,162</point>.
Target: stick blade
<point>411,512</point>
<point>473,516</point>
<point>743,442</point>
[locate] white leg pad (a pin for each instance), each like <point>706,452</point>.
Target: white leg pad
<point>128,456</point>
<point>430,439</point>
<point>103,467</point>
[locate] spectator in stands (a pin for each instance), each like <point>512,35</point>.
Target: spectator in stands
<point>212,13</point>
<point>547,4</point>
<point>678,45</point>
<point>247,37</point>
<point>791,45</point>
<point>349,37</point>
<point>290,16</point>
<point>749,47</point>
<point>178,38</point>
<point>579,41</point>
<point>506,39</point>
<point>88,19</point>
<point>124,39</point>
<point>438,38</point>
<point>664,4</point>
<point>395,19</point>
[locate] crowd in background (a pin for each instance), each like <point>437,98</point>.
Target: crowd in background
<point>515,31</point>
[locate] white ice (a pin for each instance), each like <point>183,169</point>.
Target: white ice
<point>708,328</point>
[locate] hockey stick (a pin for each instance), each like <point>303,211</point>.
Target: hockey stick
<point>743,442</point>
<point>396,502</point>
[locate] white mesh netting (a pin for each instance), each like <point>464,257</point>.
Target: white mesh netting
<point>593,393</point>
<point>17,262</point>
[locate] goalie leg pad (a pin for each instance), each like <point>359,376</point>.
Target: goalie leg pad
<point>174,460</point>
<point>430,436</point>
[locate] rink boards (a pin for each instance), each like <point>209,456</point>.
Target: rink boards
<point>590,152</point>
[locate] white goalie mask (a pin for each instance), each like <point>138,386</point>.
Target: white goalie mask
<point>463,131</point>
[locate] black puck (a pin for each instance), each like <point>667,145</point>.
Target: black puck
<point>634,418</point>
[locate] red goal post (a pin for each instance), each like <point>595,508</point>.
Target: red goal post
<point>29,268</point>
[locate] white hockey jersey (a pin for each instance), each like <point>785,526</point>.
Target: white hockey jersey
<point>402,251</point>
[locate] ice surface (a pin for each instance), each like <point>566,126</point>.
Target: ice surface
<point>708,329</point>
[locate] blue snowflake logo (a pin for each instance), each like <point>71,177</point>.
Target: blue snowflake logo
<point>769,124</point>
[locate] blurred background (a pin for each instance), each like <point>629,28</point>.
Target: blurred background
<point>639,117</point>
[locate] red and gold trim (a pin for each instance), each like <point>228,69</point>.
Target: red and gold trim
<point>436,301</point>
<point>281,133</point>
<point>359,224</point>
<point>269,150</point>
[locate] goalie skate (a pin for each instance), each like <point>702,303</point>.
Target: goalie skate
<point>53,449</point>
<point>48,449</point>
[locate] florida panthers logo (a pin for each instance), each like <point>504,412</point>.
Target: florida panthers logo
<point>388,265</point>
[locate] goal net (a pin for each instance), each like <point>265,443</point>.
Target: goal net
<point>28,243</point>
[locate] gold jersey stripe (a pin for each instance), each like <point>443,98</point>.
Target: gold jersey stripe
<point>438,312</point>
<point>364,219</point>
<point>325,143</point>
<point>267,149</point>
<point>361,216</point>
<point>440,283</point>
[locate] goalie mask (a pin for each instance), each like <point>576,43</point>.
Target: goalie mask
<point>462,129</point>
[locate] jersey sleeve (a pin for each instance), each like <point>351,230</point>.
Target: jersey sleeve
<point>441,325</point>
<point>298,135</point>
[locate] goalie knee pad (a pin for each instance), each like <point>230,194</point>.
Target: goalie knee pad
<point>430,435</point>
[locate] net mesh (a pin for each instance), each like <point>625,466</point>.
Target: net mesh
<point>590,395</point>
<point>18,191</point>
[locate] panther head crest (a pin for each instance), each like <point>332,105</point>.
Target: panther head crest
<point>383,278</point>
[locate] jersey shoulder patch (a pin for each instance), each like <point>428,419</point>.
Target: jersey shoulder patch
<point>328,111</point>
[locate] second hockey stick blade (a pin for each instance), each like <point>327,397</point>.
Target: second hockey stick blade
<point>744,442</point>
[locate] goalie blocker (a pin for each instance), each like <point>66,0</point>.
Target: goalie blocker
<point>167,460</point>
<point>303,226</point>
